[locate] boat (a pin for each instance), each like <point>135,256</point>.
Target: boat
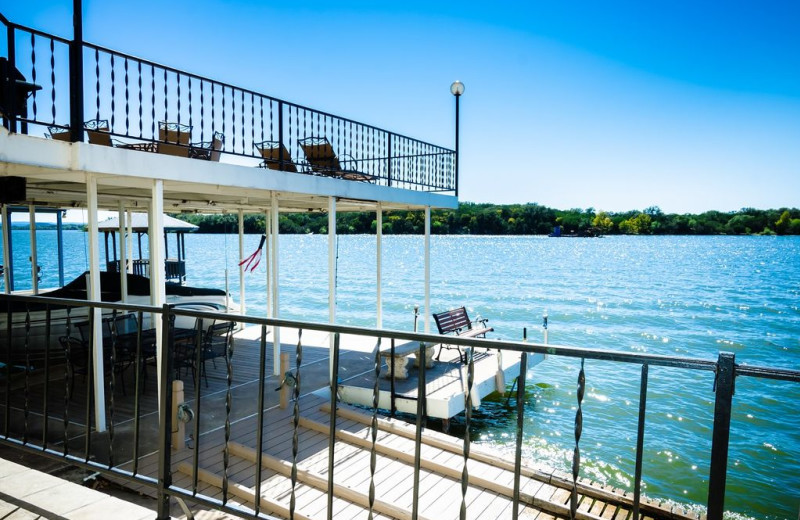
<point>32,317</point>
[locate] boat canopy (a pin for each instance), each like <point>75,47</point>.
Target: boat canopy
<point>139,224</point>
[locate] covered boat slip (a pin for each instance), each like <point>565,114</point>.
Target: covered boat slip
<point>81,175</point>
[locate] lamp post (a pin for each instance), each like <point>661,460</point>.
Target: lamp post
<point>457,88</point>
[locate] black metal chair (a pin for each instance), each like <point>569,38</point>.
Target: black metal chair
<point>217,343</point>
<point>78,357</point>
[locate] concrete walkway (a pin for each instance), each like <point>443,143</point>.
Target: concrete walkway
<point>29,494</point>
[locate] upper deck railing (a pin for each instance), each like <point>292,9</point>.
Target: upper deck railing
<point>132,97</point>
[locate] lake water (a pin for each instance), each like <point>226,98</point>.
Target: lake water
<point>687,296</point>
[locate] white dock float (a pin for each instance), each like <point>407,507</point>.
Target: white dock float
<point>446,383</point>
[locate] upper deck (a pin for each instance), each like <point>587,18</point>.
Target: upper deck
<point>73,108</point>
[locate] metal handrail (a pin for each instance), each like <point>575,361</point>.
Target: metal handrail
<point>724,368</point>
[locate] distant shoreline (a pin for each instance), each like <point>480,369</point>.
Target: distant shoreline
<point>506,220</point>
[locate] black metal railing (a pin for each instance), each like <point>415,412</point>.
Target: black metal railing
<point>36,404</point>
<point>131,96</point>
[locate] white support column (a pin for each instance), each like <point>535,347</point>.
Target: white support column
<point>331,275</point>
<point>268,259</point>
<point>379,263</point>
<point>158,297</point>
<point>123,253</point>
<point>242,306</point>
<point>94,295</point>
<point>34,259</point>
<point>427,269</point>
<point>276,333</point>
<point>130,241</point>
<point>6,257</point>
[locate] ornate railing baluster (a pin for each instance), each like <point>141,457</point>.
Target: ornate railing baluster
<point>139,77</point>
<point>637,483</point>
<point>127,100</point>
<point>202,111</point>
<point>241,105</point>
<point>27,393</point>
<point>296,421</point>
<point>228,407</point>
<point>467,424</point>
<point>33,74</point>
<point>262,363</point>
<point>69,377</point>
<point>191,119</point>
<point>233,119</point>
<point>198,401</point>
<point>523,371</point>
<point>224,131</point>
<point>112,387</point>
<point>8,365</point>
<point>261,107</point>
<point>178,93</point>
<point>153,100</point>
<point>53,79</point>
<point>97,84</point>
<point>45,408</point>
<point>113,94</point>
<point>332,436</point>
<point>213,109</point>
<point>87,434</point>
<point>421,419</point>
<point>576,456</point>
<point>139,367</point>
<point>166,99</point>
<point>373,428</point>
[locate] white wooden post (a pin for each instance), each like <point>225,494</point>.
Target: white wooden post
<point>130,241</point>
<point>6,256</point>
<point>123,253</point>
<point>427,269</point>
<point>276,332</point>
<point>94,295</point>
<point>242,306</point>
<point>158,297</point>
<point>268,259</point>
<point>379,263</point>
<point>34,259</point>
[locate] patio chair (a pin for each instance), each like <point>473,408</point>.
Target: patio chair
<point>78,354</point>
<point>57,133</point>
<point>323,160</point>
<point>217,343</point>
<point>174,139</point>
<point>98,132</point>
<point>96,129</point>
<point>208,150</point>
<point>123,356</point>
<point>276,156</point>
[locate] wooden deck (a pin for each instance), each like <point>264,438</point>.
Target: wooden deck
<point>544,495</point>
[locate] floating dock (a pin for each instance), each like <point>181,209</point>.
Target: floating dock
<point>446,381</point>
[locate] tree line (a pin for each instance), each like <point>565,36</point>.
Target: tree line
<point>521,219</point>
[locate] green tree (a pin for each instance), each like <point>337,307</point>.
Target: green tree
<point>603,223</point>
<point>638,225</point>
<point>782,224</point>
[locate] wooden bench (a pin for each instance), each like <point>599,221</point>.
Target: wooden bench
<point>456,321</point>
<point>397,359</point>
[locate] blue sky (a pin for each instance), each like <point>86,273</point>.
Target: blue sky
<point>690,106</point>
